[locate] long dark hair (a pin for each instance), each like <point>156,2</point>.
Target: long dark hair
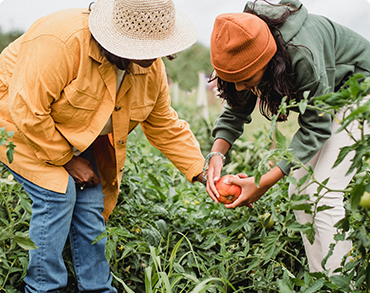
<point>278,80</point>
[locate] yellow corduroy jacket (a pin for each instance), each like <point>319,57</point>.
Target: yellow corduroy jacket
<point>58,91</point>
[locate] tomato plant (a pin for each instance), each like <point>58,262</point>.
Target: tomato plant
<point>168,233</point>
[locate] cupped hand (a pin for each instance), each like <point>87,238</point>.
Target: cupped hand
<point>82,172</point>
<point>213,175</point>
<point>250,192</point>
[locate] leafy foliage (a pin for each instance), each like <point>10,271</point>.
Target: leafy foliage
<point>5,137</point>
<point>15,214</point>
<point>6,38</point>
<point>184,69</point>
<point>167,235</point>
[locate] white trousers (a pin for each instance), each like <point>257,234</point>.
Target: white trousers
<point>324,222</point>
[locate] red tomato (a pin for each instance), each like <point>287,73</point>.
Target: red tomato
<point>228,192</point>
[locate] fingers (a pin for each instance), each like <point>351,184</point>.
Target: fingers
<point>234,180</point>
<point>93,181</point>
<point>96,180</point>
<point>212,176</point>
<point>242,175</point>
<point>236,204</point>
<point>212,191</point>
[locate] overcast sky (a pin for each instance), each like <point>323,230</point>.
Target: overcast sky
<point>20,14</point>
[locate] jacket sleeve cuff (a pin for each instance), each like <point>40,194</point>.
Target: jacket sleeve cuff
<point>63,160</point>
<point>226,135</point>
<point>194,171</point>
<point>285,166</point>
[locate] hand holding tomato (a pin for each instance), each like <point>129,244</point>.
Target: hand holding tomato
<point>228,192</point>
<point>250,191</point>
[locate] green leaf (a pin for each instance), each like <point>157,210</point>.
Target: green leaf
<point>202,285</point>
<point>9,155</point>
<point>24,242</point>
<point>152,236</point>
<point>148,280</point>
<point>354,87</point>
<point>300,197</point>
<point>302,106</point>
<point>310,233</point>
<point>270,245</point>
<point>342,282</point>
<point>315,287</point>
<point>174,251</point>
<point>295,226</point>
<point>254,263</point>
<point>127,288</point>
<point>329,254</point>
<point>100,237</point>
<point>236,226</point>
<point>154,180</point>
<point>165,280</point>
<point>161,224</point>
<point>298,282</point>
<point>281,141</point>
<point>324,208</point>
<point>285,285</point>
<point>109,249</point>
<point>273,126</point>
<point>302,207</point>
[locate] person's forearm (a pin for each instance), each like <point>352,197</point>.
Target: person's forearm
<point>271,178</point>
<point>220,145</point>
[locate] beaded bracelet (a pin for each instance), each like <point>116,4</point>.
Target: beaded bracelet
<point>206,163</point>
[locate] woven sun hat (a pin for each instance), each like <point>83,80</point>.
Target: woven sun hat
<point>141,29</point>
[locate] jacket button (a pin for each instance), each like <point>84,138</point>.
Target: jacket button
<point>121,142</point>
<point>117,108</point>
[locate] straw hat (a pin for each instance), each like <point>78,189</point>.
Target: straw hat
<point>141,29</point>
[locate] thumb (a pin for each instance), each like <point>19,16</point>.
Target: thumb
<point>232,180</point>
<point>242,175</point>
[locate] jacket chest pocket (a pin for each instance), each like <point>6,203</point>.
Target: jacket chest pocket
<point>140,114</point>
<point>74,105</point>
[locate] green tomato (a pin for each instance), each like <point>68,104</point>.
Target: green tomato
<point>365,200</point>
<point>267,221</point>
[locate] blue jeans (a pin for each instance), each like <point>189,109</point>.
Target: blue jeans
<point>56,216</point>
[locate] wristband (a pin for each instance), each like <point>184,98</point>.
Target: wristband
<point>206,163</point>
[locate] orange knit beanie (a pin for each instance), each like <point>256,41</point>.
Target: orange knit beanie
<point>241,45</point>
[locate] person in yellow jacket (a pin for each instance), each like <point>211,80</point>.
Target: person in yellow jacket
<point>72,88</point>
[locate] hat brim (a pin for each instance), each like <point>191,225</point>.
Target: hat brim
<point>102,28</point>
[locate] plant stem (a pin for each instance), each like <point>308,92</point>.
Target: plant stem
<point>7,207</point>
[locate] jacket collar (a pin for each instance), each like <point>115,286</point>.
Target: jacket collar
<point>294,23</point>
<point>108,74</point>
<point>95,54</point>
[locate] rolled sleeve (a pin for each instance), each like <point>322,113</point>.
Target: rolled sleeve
<point>173,136</point>
<point>230,124</point>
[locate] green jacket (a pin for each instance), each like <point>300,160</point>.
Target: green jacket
<point>337,53</point>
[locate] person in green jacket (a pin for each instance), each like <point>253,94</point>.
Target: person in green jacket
<point>269,52</point>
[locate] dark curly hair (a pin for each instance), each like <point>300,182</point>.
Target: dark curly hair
<point>278,80</point>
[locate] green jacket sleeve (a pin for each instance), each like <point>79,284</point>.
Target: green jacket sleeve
<point>230,124</point>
